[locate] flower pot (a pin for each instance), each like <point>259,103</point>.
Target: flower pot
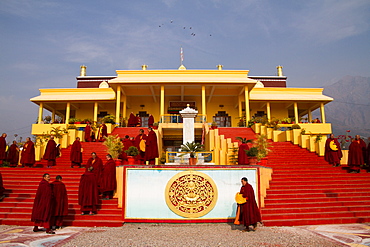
<point>131,160</point>
<point>192,161</point>
<point>155,127</point>
<point>118,162</point>
<point>252,161</point>
<point>213,127</point>
<point>264,161</point>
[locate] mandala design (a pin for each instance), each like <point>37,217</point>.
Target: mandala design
<point>191,194</point>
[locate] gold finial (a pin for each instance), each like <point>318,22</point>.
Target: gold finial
<point>144,66</point>
<point>182,67</point>
<point>219,67</point>
<point>279,70</point>
<point>82,70</point>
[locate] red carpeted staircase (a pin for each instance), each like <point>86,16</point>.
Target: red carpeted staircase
<point>130,131</point>
<point>306,190</point>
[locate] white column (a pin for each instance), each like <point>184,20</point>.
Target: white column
<point>188,115</point>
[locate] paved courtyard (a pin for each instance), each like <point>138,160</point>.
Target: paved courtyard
<point>354,235</point>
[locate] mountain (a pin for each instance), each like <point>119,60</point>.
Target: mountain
<point>350,109</point>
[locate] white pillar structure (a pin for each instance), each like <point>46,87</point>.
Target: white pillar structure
<point>188,115</point>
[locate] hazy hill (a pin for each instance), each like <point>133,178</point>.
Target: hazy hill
<point>350,109</point>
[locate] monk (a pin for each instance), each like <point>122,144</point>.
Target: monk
<point>333,153</point>
<point>28,153</point>
<point>141,146</point>
<point>138,121</point>
<point>151,149</point>
<point>3,148</point>
<point>368,154</point>
<point>103,132</point>
<point>97,164</point>
<point>150,120</point>
<point>126,144</point>
<point>108,182</point>
<point>88,132</point>
<point>356,154</point>
<point>131,120</point>
<point>88,193</point>
<point>13,154</point>
<point>60,203</point>
<point>249,212</point>
<point>242,155</point>
<point>42,206</point>
<point>76,153</point>
<point>51,152</point>
<point>2,189</point>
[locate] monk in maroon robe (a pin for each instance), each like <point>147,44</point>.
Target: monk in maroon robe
<point>150,120</point>
<point>108,182</point>
<point>126,144</point>
<point>242,155</point>
<point>13,154</point>
<point>138,121</point>
<point>97,164</point>
<point>103,132</point>
<point>42,206</point>
<point>131,120</point>
<point>356,154</point>
<point>51,152</point>
<point>76,153</point>
<point>28,153</point>
<point>88,133</point>
<point>141,146</point>
<point>151,149</point>
<point>2,189</point>
<point>368,154</point>
<point>249,213</point>
<point>333,152</point>
<point>60,203</point>
<point>2,148</point>
<point>88,193</point>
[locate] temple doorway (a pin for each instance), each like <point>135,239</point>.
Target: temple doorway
<point>222,119</point>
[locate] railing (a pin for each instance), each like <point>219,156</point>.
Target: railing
<point>183,157</point>
<point>176,118</point>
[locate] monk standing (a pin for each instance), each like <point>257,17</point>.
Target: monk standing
<point>141,146</point>
<point>60,208</point>
<point>2,148</point>
<point>108,182</point>
<point>28,153</point>
<point>126,144</point>
<point>76,153</point>
<point>131,120</point>
<point>13,154</point>
<point>88,133</point>
<point>97,164</point>
<point>333,153</point>
<point>51,152</point>
<point>356,154</point>
<point>242,155</point>
<point>151,149</point>
<point>249,213</point>
<point>150,120</point>
<point>103,132</point>
<point>2,189</point>
<point>88,192</point>
<point>42,206</point>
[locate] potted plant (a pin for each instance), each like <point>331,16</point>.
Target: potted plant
<point>192,148</point>
<point>252,155</point>
<point>263,149</point>
<point>109,119</point>
<point>131,153</point>
<point>114,146</point>
<point>155,125</point>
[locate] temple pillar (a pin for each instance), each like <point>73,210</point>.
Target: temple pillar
<point>124,107</point>
<point>118,104</point>
<point>68,112</point>
<point>162,104</point>
<point>240,107</point>
<point>268,110</point>
<point>204,113</point>
<point>296,112</point>
<point>41,108</point>
<point>95,112</point>
<point>247,110</point>
<point>322,111</point>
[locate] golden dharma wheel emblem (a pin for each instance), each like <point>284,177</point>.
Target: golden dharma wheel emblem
<point>191,194</point>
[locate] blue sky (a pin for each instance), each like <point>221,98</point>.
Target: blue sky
<point>43,42</point>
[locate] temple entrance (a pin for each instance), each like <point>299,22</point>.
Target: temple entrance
<point>222,119</point>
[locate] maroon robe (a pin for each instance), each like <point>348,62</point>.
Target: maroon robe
<point>126,144</point>
<point>60,203</point>
<point>332,156</point>
<point>368,155</point>
<point>76,154</point>
<point>51,152</point>
<point>103,132</point>
<point>2,189</point>
<point>13,155</point>
<point>28,154</point>
<point>138,121</point>
<point>2,149</point>
<point>108,182</point>
<point>150,121</point>
<point>88,133</point>
<point>355,154</point>
<point>42,205</point>
<point>151,147</point>
<point>249,212</point>
<point>141,156</point>
<point>131,120</point>
<point>88,192</point>
<point>98,167</point>
<point>242,155</point>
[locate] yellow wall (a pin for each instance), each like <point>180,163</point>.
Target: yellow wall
<point>278,110</point>
<point>151,107</point>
